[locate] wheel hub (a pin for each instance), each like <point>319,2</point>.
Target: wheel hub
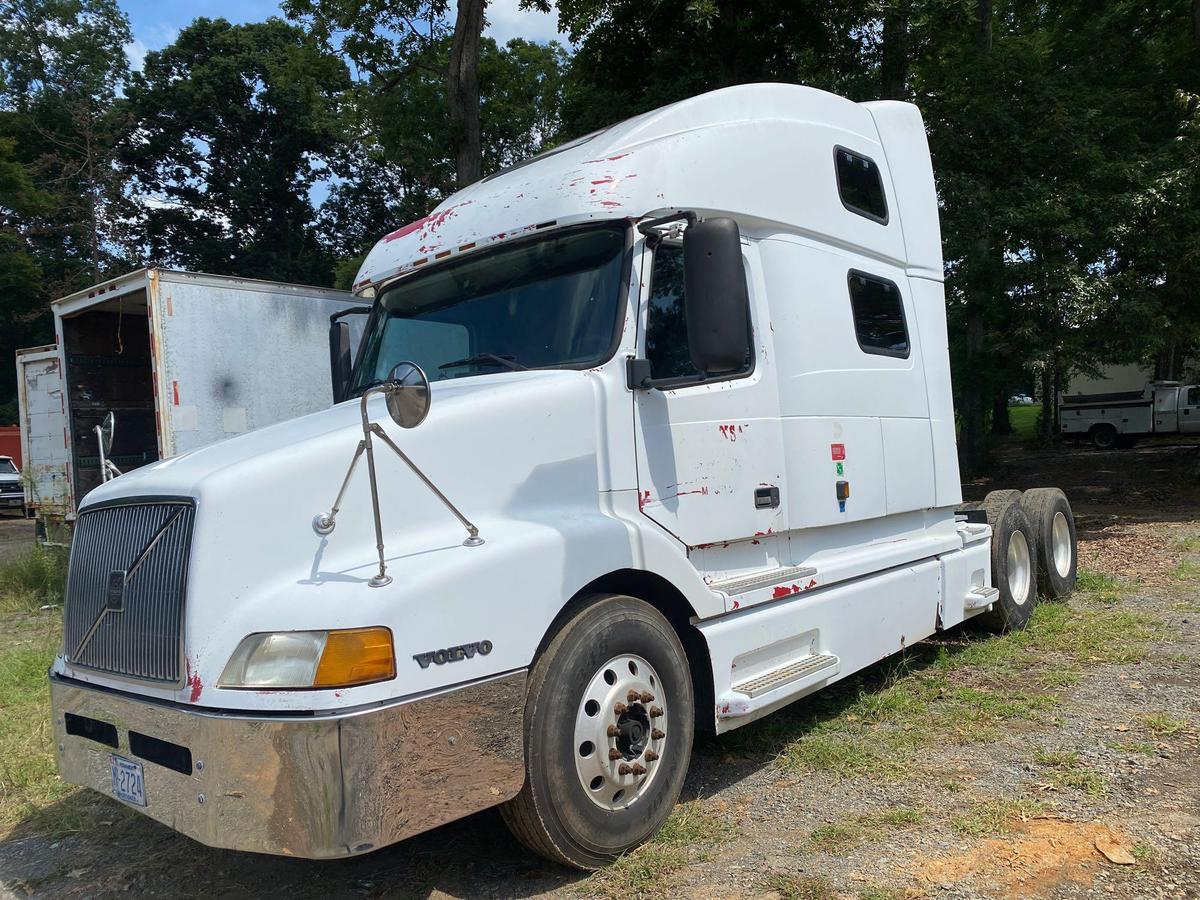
<point>1020,570</point>
<point>620,732</point>
<point>1060,535</point>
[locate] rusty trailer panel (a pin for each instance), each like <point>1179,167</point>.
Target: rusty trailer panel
<point>42,418</point>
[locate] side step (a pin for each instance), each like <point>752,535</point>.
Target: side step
<point>981,597</point>
<point>812,668</point>
<point>742,583</point>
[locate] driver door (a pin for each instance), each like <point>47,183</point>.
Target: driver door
<point>709,452</point>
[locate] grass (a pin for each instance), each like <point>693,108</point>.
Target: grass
<point>995,815</point>
<point>1189,543</point>
<point>1186,570</point>
<point>1068,771</point>
<point>1024,421</point>
<point>837,837</point>
<point>962,688</point>
<point>1162,725</point>
<point>31,580</point>
<point>800,887</point>
<point>688,835</point>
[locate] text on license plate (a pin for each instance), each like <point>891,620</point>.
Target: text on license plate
<point>128,783</point>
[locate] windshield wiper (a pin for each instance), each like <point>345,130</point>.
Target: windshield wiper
<point>506,361</point>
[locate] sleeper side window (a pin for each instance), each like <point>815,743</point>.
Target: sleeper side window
<point>860,185</point>
<point>878,315</point>
<point>1193,396</point>
<point>666,327</point>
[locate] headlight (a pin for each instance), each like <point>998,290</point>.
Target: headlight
<point>299,660</point>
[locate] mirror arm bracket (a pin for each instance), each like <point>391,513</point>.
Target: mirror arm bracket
<point>637,374</point>
<point>473,538</point>
<point>650,228</point>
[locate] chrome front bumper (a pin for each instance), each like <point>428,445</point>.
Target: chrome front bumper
<point>317,786</point>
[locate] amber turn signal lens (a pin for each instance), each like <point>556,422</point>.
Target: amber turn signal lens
<point>356,656</point>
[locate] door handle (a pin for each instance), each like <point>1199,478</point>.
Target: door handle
<point>766,497</point>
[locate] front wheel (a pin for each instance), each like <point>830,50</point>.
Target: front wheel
<point>608,734</point>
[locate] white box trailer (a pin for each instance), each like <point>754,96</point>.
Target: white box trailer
<point>181,359</point>
<point>659,436</point>
<point>45,443</point>
<point>1118,419</point>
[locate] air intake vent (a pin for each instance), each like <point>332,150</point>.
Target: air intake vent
<point>125,589</point>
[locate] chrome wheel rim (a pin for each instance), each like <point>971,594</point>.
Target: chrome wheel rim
<point>620,732</point>
<point>1019,570</point>
<point>1060,544</point>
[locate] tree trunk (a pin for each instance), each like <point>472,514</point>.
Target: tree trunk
<point>983,36</point>
<point>462,90</point>
<point>893,67</point>
<point>972,449</point>
<point>1000,420</point>
<point>1049,398</point>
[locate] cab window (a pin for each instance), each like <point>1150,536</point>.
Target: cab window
<point>666,328</point>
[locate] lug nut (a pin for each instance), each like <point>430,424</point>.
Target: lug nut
<point>658,734</point>
<point>624,769</point>
<point>614,754</point>
<point>613,731</point>
<point>650,755</point>
<point>637,769</point>
<point>655,712</point>
<point>632,696</point>
<point>647,697</point>
<point>620,708</point>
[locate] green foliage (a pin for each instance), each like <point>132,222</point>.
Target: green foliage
<point>234,125</point>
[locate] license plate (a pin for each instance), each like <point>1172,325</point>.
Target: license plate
<point>128,783</point>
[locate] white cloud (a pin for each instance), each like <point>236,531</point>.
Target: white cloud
<point>506,20</point>
<point>149,37</point>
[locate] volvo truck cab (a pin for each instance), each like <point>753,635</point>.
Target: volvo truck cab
<point>649,434</point>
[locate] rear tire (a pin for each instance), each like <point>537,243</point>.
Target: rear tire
<point>1050,512</point>
<point>1103,437</point>
<point>1014,562</point>
<point>576,807</point>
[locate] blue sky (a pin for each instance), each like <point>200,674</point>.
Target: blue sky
<point>156,22</point>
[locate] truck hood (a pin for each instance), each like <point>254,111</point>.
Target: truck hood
<point>516,452</point>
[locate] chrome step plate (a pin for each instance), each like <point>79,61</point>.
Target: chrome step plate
<point>981,597</point>
<point>809,666</point>
<point>740,584</point>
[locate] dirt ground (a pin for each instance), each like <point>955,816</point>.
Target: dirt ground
<point>1086,784</point>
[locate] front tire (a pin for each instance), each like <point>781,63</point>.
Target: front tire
<point>608,723</point>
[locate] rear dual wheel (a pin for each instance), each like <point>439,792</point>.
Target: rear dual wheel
<point>1014,562</point>
<point>1050,513</point>
<point>608,734</point>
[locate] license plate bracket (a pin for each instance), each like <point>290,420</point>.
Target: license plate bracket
<point>128,780</point>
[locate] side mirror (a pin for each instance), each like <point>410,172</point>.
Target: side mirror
<point>107,429</point>
<point>339,359</point>
<point>716,302</point>
<point>406,393</point>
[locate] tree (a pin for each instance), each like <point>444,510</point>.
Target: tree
<point>232,127</point>
<point>62,65</point>
<point>393,40</point>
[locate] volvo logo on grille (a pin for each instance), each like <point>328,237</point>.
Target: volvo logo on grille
<point>115,598</point>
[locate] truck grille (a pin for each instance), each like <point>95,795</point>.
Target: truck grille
<point>125,589</point>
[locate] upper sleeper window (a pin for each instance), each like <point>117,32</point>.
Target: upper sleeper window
<point>878,315</point>
<point>860,185</point>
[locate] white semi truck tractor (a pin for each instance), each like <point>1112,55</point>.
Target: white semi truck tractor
<point>651,433</point>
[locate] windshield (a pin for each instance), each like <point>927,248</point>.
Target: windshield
<point>551,303</point>
<point>7,467</point>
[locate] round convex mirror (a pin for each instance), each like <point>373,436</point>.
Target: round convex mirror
<point>107,429</point>
<point>407,395</point>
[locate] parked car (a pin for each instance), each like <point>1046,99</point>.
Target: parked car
<point>659,436</point>
<point>12,493</point>
<point>1020,400</point>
